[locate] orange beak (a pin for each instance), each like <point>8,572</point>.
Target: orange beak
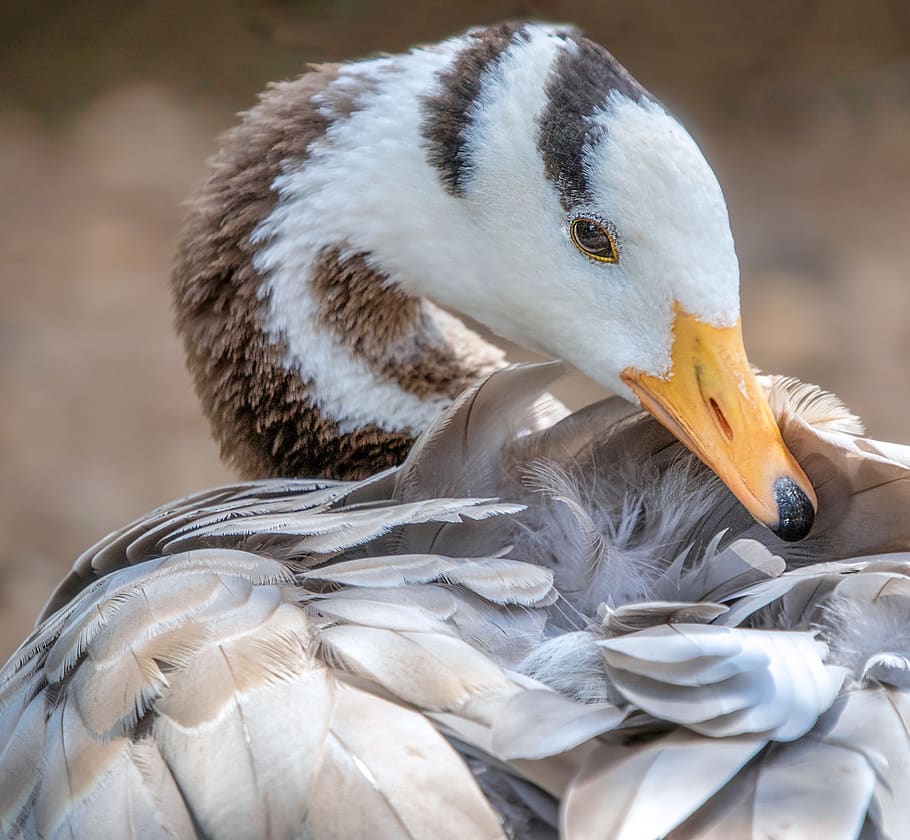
<point>711,401</point>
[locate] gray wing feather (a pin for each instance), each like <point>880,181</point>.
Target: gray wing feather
<point>631,793</point>
<point>299,657</point>
<point>460,453</point>
<point>193,699</point>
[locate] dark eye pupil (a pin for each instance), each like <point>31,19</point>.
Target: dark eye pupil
<point>591,237</point>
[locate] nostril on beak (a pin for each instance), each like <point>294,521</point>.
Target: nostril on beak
<point>719,418</point>
<point>795,513</point>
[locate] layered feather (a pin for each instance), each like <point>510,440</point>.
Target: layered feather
<point>517,633</point>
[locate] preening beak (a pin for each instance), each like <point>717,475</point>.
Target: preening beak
<point>711,401</point>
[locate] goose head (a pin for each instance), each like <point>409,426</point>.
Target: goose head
<point>517,175</point>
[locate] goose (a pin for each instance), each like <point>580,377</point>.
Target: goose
<point>437,604</point>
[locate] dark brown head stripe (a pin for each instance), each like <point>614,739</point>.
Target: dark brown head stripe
<point>581,80</point>
<point>447,112</point>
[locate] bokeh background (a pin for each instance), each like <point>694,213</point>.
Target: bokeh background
<point>109,108</point>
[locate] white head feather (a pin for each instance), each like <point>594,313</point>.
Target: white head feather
<point>501,252</point>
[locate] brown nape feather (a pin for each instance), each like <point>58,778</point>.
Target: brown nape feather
<point>254,404</point>
<point>259,410</point>
<point>261,413</point>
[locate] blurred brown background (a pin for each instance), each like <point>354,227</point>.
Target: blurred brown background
<point>108,109</point>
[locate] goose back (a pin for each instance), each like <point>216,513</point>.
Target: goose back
<point>514,633</point>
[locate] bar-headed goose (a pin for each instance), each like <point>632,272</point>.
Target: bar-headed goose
<point>527,627</point>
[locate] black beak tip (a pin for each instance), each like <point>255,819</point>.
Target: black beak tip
<point>795,511</point>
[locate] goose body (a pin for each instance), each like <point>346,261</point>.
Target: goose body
<point>338,659</point>
<point>479,619</point>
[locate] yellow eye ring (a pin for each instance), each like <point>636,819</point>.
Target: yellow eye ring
<point>593,240</point>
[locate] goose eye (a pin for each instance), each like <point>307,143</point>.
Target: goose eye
<point>593,240</point>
